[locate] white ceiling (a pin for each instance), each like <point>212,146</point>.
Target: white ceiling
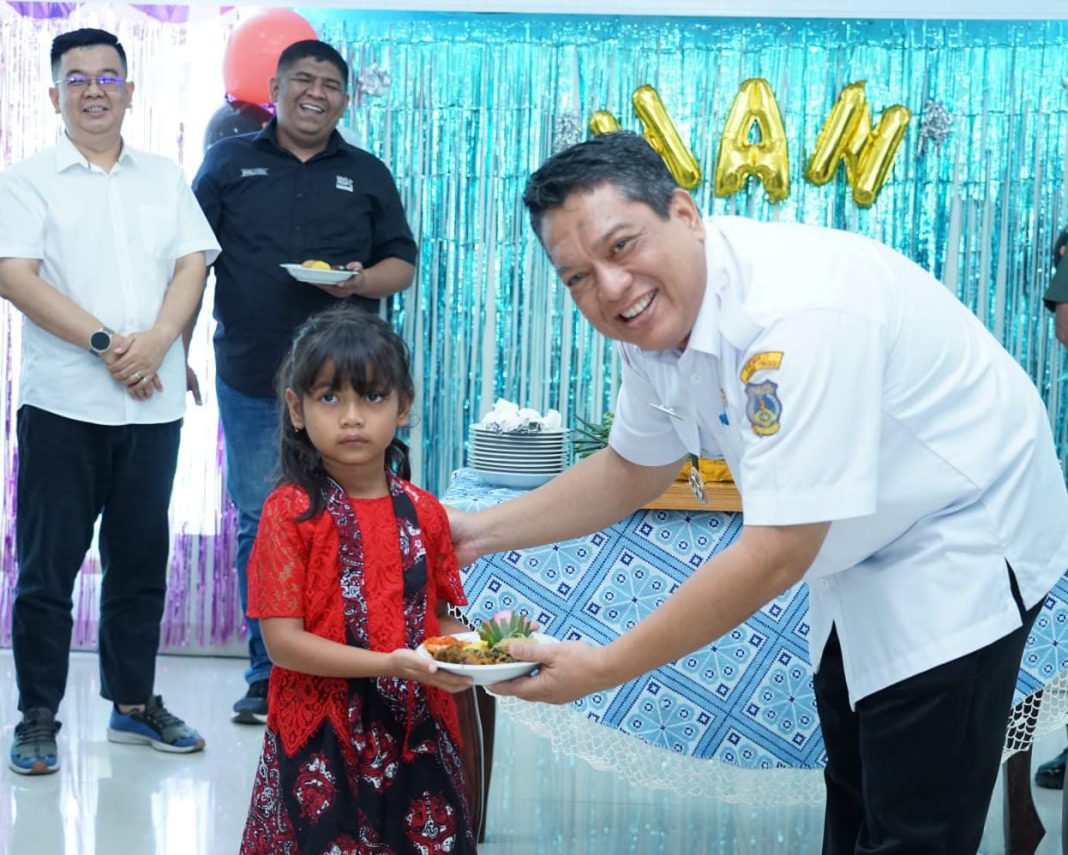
<point>982,9</point>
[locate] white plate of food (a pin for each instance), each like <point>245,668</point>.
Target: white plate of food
<point>483,674</point>
<point>317,275</point>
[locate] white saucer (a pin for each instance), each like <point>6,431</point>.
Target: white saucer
<point>317,277</point>
<point>487,675</point>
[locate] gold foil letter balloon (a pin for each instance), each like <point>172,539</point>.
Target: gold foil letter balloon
<point>767,158</point>
<point>838,134</point>
<point>877,156</point>
<point>847,135</point>
<point>663,136</point>
<point>603,122</point>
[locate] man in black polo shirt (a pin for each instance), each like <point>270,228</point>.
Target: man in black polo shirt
<point>295,191</point>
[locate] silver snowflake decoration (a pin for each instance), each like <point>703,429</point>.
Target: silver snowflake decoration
<point>567,130</point>
<point>935,125</point>
<point>373,81</point>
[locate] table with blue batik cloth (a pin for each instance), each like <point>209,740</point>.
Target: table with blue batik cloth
<point>744,702</point>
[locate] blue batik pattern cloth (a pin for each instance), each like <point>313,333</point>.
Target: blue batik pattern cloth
<point>746,699</point>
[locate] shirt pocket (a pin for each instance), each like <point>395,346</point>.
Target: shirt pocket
<point>157,226</point>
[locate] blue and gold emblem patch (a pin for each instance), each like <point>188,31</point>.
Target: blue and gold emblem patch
<point>763,407</point>
<point>762,404</point>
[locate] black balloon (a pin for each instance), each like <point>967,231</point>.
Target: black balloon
<point>233,118</point>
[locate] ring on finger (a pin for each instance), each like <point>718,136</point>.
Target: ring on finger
<point>144,379</point>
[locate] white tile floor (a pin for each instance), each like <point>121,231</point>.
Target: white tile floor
<point>118,800</point>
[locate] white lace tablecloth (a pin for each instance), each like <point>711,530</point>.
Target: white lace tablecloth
<point>736,719</point>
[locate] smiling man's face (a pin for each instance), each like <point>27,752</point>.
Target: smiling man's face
<point>635,276</point>
<point>309,99</point>
<point>92,114</point>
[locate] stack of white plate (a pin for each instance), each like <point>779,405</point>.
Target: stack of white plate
<point>521,460</point>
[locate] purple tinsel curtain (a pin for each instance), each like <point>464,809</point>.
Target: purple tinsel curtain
<point>175,53</point>
<point>167,14</point>
<point>44,11</point>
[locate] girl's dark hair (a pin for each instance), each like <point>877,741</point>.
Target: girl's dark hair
<point>368,356</point>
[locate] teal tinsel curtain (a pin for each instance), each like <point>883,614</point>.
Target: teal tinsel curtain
<point>464,106</point>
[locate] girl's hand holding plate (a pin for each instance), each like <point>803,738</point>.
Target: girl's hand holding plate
<point>409,665</point>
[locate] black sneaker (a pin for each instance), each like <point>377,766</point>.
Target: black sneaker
<point>155,725</point>
<point>252,709</point>
<point>34,750</point>
<point>1050,775</point>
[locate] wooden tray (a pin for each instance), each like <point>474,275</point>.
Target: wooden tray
<point>721,495</point>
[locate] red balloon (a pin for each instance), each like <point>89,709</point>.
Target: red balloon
<point>252,52</point>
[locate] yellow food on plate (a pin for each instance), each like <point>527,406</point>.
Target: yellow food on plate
<point>491,647</point>
<point>472,654</point>
<point>315,264</point>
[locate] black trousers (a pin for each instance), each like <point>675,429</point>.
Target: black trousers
<point>69,474</point>
<point>912,769</point>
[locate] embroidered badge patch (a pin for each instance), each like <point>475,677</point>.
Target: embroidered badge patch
<point>344,183</point>
<point>760,361</point>
<point>763,407</point>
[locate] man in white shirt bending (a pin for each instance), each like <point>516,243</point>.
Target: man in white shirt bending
<point>104,250</point>
<point>887,449</point>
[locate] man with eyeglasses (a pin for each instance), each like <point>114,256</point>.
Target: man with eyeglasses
<point>104,250</point>
<point>293,192</point>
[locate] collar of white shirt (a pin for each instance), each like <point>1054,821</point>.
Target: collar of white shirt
<point>68,155</point>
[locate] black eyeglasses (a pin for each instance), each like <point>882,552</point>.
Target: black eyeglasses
<point>81,81</point>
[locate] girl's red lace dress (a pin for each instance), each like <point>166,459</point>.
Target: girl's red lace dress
<point>357,765</point>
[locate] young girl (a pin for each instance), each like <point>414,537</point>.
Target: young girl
<point>352,568</point>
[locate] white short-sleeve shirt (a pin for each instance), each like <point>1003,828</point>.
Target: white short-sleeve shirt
<point>109,242</point>
<point>843,383</point>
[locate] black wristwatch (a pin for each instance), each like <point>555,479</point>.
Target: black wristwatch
<point>100,341</point>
